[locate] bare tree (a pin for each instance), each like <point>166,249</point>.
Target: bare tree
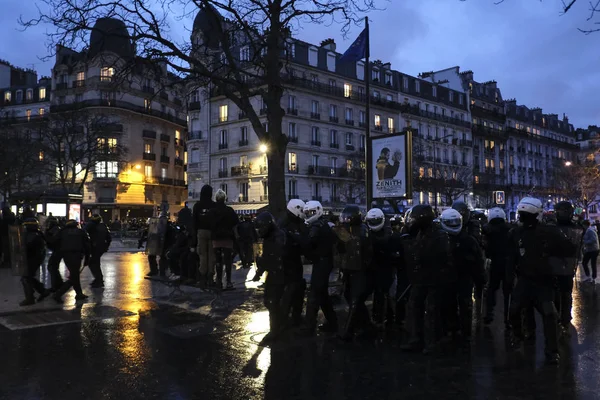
<point>76,144</point>
<point>265,26</point>
<point>580,182</point>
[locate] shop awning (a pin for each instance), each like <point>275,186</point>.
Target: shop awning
<point>249,208</point>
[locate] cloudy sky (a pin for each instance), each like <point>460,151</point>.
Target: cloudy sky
<point>536,55</point>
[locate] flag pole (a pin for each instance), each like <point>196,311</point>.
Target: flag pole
<point>368,155</point>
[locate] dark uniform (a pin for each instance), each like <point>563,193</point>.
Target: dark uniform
<point>531,246</point>
<point>246,237</point>
<point>52,237</point>
<point>36,252</point>
<point>100,241</point>
<point>496,235</point>
<point>74,245</point>
<point>383,272</point>
<point>402,284</point>
<point>321,241</point>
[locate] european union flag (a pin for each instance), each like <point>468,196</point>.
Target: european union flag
<point>358,49</point>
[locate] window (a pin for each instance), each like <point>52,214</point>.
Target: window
<point>7,97</point>
<point>334,192</point>
<point>245,53</point>
<point>349,138</point>
<point>376,94</point>
<point>417,86</point>
<point>332,83</point>
<point>163,172</point>
<point>362,116</point>
<point>333,110</point>
<point>360,70</point>
<point>148,170</point>
<point>223,164</point>
<point>347,90</point>
<point>28,114</point>
<point>348,165</point>
<point>377,120</point>
<point>331,61</point>
<point>42,93</point>
<point>292,162</point>
<point>243,160</point>
<point>164,151</point>
<point>389,97</point>
<point>391,125</point>
<point>315,107</point>
<point>292,130</point>
<point>244,191</point>
<point>223,59</point>
<point>375,75</point>
<point>223,113</point>
<point>315,135</point>
<point>29,95</point>
<point>443,112</point>
<point>41,111</point>
<point>291,49</point>
<point>292,188</point>
<point>451,95</point>
<point>315,161</point>
<point>460,99</point>
<point>292,102</point>
<point>349,114</point>
<point>78,98</point>
<point>405,83</point>
<point>223,137</point>
<point>333,137</point>
<point>106,74</point>
<point>313,56</point>
<point>317,190</point>
<point>434,91</point>
<point>19,96</point>
<point>80,76</point>
<point>363,141</point>
<point>147,148</point>
<point>388,78</point>
<point>147,104</point>
<point>333,165</point>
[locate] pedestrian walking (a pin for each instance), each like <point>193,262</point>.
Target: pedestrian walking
<point>590,251</point>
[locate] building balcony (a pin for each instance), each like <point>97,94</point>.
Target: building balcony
<point>223,119</point>
<point>334,145</point>
<point>165,159</point>
<point>149,156</point>
<point>193,165</point>
<point>350,147</point>
<point>223,173</point>
<point>362,149</point>
<point>79,83</point>
<point>335,199</point>
<point>263,170</point>
<point>362,124</point>
<point>264,197</point>
<point>293,139</point>
<point>317,198</point>
<point>105,176</point>
<point>242,115</point>
<point>292,169</point>
<point>415,110</point>
<point>293,196</point>
<point>481,112</point>
<point>334,119</point>
<point>350,122</point>
<point>485,131</point>
<point>179,142</point>
<point>178,162</point>
<point>62,86</point>
<point>164,96</point>
<point>242,143</point>
<point>315,143</point>
<point>240,170</point>
<point>195,135</point>
<point>223,146</point>
<point>148,89</point>
<point>149,134</point>
<point>165,138</point>
<point>378,128</point>
<point>194,105</point>
<point>105,200</point>
<point>292,111</point>
<point>315,115</point>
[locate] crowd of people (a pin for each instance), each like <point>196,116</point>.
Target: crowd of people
<point>439,265</point>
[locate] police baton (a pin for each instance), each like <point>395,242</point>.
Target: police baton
<point>404,293</point>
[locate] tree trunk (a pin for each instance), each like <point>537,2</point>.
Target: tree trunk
<point>276,183</point>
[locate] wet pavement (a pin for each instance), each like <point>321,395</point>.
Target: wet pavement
<point>133,340</point>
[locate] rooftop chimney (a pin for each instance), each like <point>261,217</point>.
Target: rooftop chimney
<point>328,44</point>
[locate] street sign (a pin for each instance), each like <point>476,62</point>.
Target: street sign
<point>499,196</point>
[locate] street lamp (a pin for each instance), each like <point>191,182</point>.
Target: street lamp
<point>568,164</point>
<point>263,148</point>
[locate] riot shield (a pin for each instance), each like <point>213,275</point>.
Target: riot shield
<point>157,229</point>
<point>18,250</point>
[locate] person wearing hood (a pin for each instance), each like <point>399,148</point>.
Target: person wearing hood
<point>203,235</point>
<point>223,221</point>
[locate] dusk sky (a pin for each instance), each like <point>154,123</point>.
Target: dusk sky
<point>536,55</point>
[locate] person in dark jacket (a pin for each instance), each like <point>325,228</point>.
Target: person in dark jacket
<point>223,221</point>
<point>100,242</point>
<point>36,252</point>
<point>274,246</point>
<point>203,236</point>
<point>428,257</point>
<point>52,237</point>
<point>74,245</point>
<point>496,234</point>
<point>8,219</point>
<point>531,247</point>
<point>566,267</point>
<point>471,225</point>
<point>185,218</point>
<point>246,237</point>
<point>590,251</point>
<point>321,241</point>
<point>397,261</point>
<point>381,266</point>
<point>297,234</point>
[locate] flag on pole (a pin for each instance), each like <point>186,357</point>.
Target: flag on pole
<point>358,49</point>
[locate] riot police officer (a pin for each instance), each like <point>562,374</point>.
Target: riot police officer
<point>321,241</point>
<point>469,264</point>
<point>381,266</point>
<point>565,268</point>
<point>397,261</point>
<point>531,246</point>
<point>471,225</point>
<point>36,252</point>
<point>496,235</point>
<point>274,246</point>
<point>52,235</point>
<point>297,233</point>
<point>356,252</point>
<point>74,245</point>
<point>100,241</point>
<point>428,257</point>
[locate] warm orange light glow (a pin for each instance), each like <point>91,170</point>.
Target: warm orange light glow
<point>138,166</point>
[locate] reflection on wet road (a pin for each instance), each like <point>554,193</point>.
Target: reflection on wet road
<point>133,345</point>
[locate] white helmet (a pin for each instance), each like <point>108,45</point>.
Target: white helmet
<point>313,210</point>
<point>496,212</point>
<point>530,205</point>
<point>451,221</point>
<point>296,207</point>
<point>375,219</point>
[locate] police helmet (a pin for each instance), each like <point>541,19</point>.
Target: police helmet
<point>351,215</point>
<point>496,213</point>
<point>564,212</point>
<point>375,219</point>
<point>264,224</point>
<point>464,210</point>
<point>421,217</point>
<point>451,221</point>
<point>530,210</point>
<point>296,207</point>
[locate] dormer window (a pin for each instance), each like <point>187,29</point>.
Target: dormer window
<point>106,74</point>
<point>29,95</point>
<point>375,75</point>
<point>42,94</point>
<point>7,97</point>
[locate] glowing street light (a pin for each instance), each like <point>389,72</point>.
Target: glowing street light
<point>138,166</point>
<point>568,164</point>
<point>263,148</point>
